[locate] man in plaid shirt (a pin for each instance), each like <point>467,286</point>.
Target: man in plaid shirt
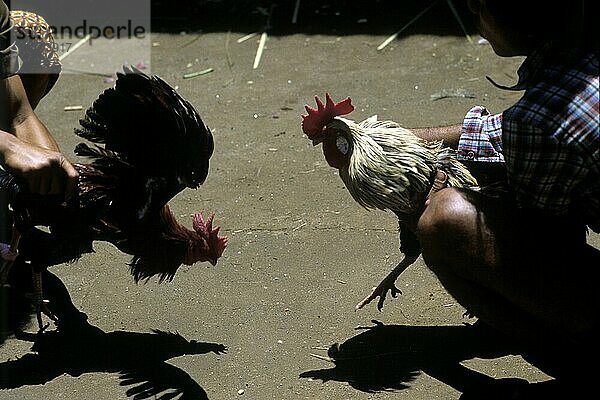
<point>515,254</point>
<point>549,138</point>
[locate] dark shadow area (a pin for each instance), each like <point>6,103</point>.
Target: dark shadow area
<point>389,357</point>
<point>77,348</point>
<point>139,358</point>
<point>284,17</point>
<point>17,309</point>
<point>331,17</point>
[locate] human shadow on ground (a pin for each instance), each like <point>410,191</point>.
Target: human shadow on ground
<point>78,347</point>
<point>390,357</point>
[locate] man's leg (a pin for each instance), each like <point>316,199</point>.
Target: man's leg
<point>526,277</point>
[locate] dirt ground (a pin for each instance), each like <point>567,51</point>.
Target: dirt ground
<point>301,252</point>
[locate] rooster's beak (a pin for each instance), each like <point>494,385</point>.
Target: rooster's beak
<point>317,140</point>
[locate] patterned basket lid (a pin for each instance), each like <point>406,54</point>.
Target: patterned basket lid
<point>37,48</point>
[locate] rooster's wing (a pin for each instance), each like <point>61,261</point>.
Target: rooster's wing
<point>145,135</point>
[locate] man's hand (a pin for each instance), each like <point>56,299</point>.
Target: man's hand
<point>45,171</point>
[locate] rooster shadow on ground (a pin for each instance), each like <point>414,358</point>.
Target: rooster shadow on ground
<point>390,357</point>
<point>78,347</point>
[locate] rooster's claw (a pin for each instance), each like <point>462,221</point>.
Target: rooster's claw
<point>41,307</point>
<point>388,284</point>
<point>381,292</point>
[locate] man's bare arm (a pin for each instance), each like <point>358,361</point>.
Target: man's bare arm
<point>449,134</point>
<point>27,149</point>
<point>21,119</point>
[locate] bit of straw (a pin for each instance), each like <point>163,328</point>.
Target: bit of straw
<point>409,23</point>
<point>299,226</point>
<point>194,39</point>
<point>248,36</point>
<point>198,73</point>
<point>320,357</point>
<point>75,47</point>
<point>296,9</point>
<point>459,20</point>
<point>73,108</point>
<point>259,51</point>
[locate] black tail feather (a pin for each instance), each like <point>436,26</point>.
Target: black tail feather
<point>9,183</point>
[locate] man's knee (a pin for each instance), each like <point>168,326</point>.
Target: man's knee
<point>448,210</point>
<point>446,222</point>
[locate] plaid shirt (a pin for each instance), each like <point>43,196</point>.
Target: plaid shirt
<point>549,139</point>
<point>481,136</point>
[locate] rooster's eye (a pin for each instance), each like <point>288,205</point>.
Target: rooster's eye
<point>342,144</point>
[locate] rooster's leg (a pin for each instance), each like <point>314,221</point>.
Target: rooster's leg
<point>41,305</point>
<point>8,255</point>
<point>388,284</point>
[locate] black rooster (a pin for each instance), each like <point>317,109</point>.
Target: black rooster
<point>149,144</point>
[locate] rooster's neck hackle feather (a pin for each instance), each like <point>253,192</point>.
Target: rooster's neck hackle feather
<point>162,254</point>
<point>390,168</point>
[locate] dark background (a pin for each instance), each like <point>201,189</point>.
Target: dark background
<point>339,17</point>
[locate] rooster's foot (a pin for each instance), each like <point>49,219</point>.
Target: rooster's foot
<point>381,291</point>
<point>41,304</point>
<point>41,308</point>
<point>388,284</point>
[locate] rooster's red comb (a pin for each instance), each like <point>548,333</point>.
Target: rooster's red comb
<point>204,227</point>
<point>317,118</point>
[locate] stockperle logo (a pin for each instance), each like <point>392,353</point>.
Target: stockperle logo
<point>83,36</point>
<point>125,31</point>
